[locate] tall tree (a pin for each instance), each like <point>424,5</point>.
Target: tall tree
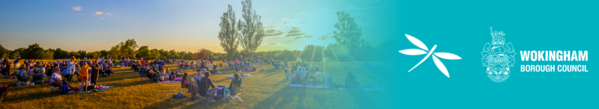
<point>144,52</point>
<point>114,52</point>
<point>188,55</point>
<point>49,54</point>
<point>95,54</point>
<point>34,51</point>
<point>163,53</point>
<point>348,32</point>
<point>251,28</point>
<point>14,54</point>
<point>125,49</point>
<point>201,54</point>
<point>128,48</point>
<point>348,37</point>
<point>60,54</point>
<point>228,32</point>
<point>83,53</point>
<point>3,52</point>
<point>21,51</point>
<point>155,54</point>
<point>173,55</point>
<point>76,54</point>
<point>104,53</point>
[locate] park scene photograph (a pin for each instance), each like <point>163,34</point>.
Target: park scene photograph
<point>207,54</point>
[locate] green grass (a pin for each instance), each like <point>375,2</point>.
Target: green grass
<point>266,89</point>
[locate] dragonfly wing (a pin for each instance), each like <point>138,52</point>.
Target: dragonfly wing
<point>412,52</point>
<point>446,55</point>
<point>440,66</point>
<point>417,42</point>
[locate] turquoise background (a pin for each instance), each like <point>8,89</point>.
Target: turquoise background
<point>462,28</point>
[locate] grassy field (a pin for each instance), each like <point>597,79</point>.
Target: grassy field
<point>266,89</point>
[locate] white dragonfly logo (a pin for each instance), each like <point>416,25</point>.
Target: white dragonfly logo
<point>438,62</point>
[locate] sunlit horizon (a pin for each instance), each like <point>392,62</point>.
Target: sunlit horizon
<point>181,26</point>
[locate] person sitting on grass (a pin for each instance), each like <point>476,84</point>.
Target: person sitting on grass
<point>191,88</point>
<point>350,81</point>
<point>178,74</point>
<point>186,65</point>
<point>57,81</point>
<point>77,69</point>
<point>26,76</point>
<point>135,67</point>
<point>153,76</point>
<point>299,75</point>
<point>16,62</point>
<point>107,68</point>
<point>65,70</point>
<point>49,69</point>
<point>245,68</point>
<point>163,75</point>
<point>235,83</point>
<point>205,84</point>
<point>199,76</point>
<point>156,75</point>
<point>144,72</point>
<point>6,70</point>
<point>215,68</point>
<point>38,76</point>
<point>171,75</point>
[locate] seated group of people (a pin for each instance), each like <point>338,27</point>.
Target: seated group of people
<point>250,69</point>
<point>206,64</point>
<point>277,64</point>
<point>300,76</point>
<point>88,71</point>
<point>30,74</point>
<point>5,67</point>
<point>35,71</point>
<point>301,73</point>
<point>247,66</point>
<point>203,84</point>
<point>183,64</point>
<point>159,74</point>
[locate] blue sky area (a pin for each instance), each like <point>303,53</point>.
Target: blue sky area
<point>182,25</point>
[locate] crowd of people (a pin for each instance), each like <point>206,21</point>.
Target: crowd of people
<point>203,84</point>
<point>155,70</point>
<point>59,72</point>
<point>200,84</point>
<point>303,73</point>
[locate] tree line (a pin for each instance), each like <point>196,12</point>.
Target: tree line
<point>235,33</point>
<point>127,49</point>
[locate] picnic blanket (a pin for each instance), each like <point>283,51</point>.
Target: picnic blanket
<point>178,79</point>
<point>97,89</point>
<point>315,86</point>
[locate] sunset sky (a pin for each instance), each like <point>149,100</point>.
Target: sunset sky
<point>182,25</point>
